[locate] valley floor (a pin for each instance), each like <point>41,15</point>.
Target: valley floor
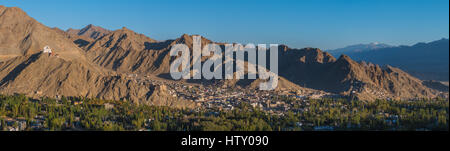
<point>20,113</point>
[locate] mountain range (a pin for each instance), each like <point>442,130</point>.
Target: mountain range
<point>358,48</point>
<point>427,61</point>
<point>97,63</point>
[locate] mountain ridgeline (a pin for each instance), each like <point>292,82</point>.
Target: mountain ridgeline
<point>97,63</point>
<point>358,48</point>
<point>125,51</point>
<point>427,61</point>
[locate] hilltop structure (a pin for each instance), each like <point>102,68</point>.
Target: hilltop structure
<point>47,49</point>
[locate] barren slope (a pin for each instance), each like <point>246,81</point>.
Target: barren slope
<point>65,71</point>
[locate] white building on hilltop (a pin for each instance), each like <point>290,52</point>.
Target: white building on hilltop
<point>47,49</point>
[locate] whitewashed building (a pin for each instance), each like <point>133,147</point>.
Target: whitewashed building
<point>47,49</point>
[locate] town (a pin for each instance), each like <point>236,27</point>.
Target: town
<point>216,96</point>
<point>304,109</point>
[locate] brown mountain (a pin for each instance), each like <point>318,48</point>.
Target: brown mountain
<point>85,36</point>
<point>299,68</point>
<point>22,35</point>
<point>124,51</point>
<point>89,32</point>
<point>128,52</point>
<point>315,69</point>
<point>64,71</point>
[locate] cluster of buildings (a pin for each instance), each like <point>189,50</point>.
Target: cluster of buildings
<point>21,124</point>
<point>217,97</point>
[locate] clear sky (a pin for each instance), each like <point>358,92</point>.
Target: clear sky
<point>325,24</point>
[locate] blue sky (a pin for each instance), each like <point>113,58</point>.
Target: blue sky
<point>325,24</point>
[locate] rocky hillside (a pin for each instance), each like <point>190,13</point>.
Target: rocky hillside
<point>85,36</point>
<point>315,69</point>
<point>64,71</point>
<point>125,51</point>
<point>90,32</point>
<point>22,35</point>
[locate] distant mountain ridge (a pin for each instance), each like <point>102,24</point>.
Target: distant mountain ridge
<point>427,61</point>
<point>357,48</point>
